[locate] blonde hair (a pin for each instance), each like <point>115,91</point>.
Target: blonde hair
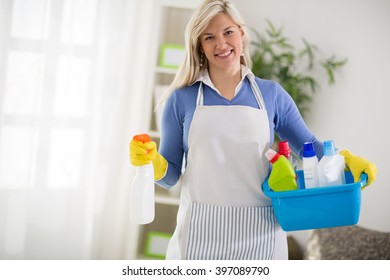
<point>190,68</point>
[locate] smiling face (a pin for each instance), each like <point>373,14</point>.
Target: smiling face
<point>222,43</point>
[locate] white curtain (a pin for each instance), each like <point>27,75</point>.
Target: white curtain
<point>65,90</point>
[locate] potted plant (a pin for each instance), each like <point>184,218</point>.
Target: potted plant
<point>275,58</point>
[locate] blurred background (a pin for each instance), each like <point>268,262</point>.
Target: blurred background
<point>78,79</point>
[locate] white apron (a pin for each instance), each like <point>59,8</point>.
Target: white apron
<point>223,212</point>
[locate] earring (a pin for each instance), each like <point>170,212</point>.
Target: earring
<point>201,62</point>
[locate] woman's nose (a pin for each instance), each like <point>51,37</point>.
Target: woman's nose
<point>221,43</point>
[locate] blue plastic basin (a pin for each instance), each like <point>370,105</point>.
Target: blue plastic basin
<point>321,207</point>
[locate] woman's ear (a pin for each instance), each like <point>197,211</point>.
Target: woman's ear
<point>242,31</point>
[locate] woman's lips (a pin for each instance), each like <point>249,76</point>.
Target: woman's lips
<point>224,54</point>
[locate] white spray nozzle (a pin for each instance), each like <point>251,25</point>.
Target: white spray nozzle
<point>270,154</point>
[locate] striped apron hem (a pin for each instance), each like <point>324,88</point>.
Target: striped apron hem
<point>231,233</point>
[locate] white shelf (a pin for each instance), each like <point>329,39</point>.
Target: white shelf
<point>167,199</point>
<point>165,70</point>
<point>171,16</point>
<point>154,134</point>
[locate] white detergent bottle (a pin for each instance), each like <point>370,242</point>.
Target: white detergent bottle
<point>331,167</point>
<point>309,166</point>
<point>142,191</point>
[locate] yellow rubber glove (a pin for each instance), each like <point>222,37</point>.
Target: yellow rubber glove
<point>358,165</point>
<point>143,150</point>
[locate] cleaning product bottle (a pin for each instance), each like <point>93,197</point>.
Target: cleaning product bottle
<point>331,166</point>
<point>282,177</point>
<point>284,150</point>
<point>309,166</point>
<point>142,190</point>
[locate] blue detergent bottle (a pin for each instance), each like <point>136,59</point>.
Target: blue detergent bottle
<point>309,166</point>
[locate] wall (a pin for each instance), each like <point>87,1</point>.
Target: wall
<point>354,112</point>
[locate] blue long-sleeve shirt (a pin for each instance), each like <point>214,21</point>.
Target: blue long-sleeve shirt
<point>283,115</point>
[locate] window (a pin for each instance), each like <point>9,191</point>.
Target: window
<point>64,99</point>
<point>47,105</point>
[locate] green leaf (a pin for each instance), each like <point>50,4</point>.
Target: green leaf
<point>274,57</point>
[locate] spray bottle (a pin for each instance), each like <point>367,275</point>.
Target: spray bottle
<point>282,177</point>
<point>331,167</point>
<point>142,190</point>
<point>284,150</point>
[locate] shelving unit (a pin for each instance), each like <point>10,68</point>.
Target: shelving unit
<point>171,17</point>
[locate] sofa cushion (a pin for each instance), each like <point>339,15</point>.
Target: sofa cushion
<point>348,243</point>
<point>294,250</point>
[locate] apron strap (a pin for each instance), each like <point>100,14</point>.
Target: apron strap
<point>257,93</point>
<point>199,99</point>
<point>255,89</point>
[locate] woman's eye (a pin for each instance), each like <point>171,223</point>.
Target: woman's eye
<point>208,38</point>
<point>229,32</point>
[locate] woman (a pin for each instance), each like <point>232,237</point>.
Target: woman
<point>222,119</point>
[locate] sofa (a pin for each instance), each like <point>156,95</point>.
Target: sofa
<point>345,243</point>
